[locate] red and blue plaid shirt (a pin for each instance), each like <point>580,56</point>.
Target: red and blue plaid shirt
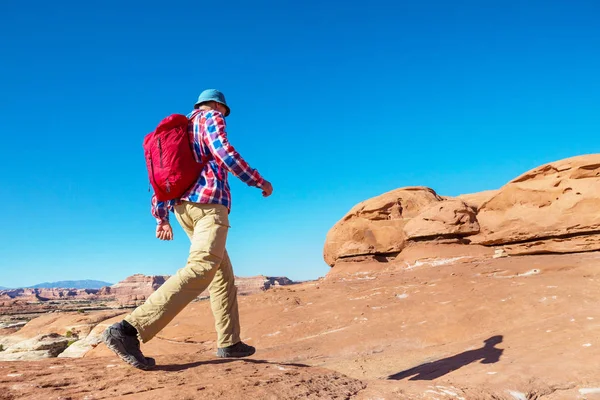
<point>207,130</point>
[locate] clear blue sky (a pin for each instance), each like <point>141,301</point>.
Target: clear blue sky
<point>334,102</point>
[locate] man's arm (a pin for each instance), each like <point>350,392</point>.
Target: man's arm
<point>225,154</point>
<point>160,211</point>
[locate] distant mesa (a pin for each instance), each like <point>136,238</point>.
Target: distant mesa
<point>135,289</point>
<point>130,292</point>
<point>84,284</point>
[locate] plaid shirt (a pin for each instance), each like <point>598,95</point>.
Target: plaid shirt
<point>207,130</point>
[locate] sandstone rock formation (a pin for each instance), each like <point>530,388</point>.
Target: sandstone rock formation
<point>135,289</point>
<point>42,346</point>
<point>550,209</point>
<point>375,226</point>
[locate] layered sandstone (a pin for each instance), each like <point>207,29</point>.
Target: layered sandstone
<point>556,201</point>
<point>550,209</point>
<point>376,226</point>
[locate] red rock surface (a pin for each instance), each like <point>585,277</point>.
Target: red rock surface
<point>480,328</point>
<point>185,377</point>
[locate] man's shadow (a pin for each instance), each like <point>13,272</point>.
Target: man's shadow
<point>182,367</point>
<point>488,354</point>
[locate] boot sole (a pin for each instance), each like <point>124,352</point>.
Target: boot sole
<point>235,355</point>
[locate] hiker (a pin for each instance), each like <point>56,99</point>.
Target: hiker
<point>202,211</point>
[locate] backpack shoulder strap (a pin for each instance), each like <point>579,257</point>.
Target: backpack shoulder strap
<point>194,114</point>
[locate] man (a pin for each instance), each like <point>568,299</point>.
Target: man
<point>203,213</point>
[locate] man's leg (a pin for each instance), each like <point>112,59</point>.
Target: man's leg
<point>210,225</point>
<point>223,301</point>
<point>206,252</point>
<point>223,295</point>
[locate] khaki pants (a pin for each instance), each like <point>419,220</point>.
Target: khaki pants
<point>208,265</point>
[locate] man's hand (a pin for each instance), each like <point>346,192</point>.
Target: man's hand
<point>267,189</point>
<point>164,231</point>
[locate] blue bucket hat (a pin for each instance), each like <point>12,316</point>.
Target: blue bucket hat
<point>213,95</point>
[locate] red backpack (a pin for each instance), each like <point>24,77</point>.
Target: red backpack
<point>172,166</point>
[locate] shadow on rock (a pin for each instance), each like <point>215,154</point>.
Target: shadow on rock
<point>182,367</point>
<point>488,354</point>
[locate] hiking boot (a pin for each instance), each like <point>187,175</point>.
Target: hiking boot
<point>240,349</point>
<point>127,347</point>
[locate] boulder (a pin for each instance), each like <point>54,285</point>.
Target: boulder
<point>375,226</point>
<point>550,209</point>
<point>386,224</point>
